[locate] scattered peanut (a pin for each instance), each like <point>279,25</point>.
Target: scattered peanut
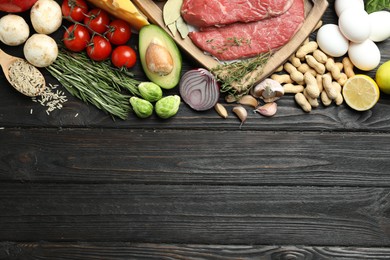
<point>312,101</point>
<point>302,102</point>
<point>339,65</point>
<point>306,68</point>
<point>320,56</point>
<point>339,99</point>
<point>326,101</point>
<point>311,85</point>
<point>295,75</point>
<point>282,78</point>
<point>306,48</point>
<point>333,69</point>
<point>348,67</point>
<point>329,87</point>
<point>295,61</point>
<point>336,86</point>
<point>279,69</point>
<point>313,63</point>
<point>319,82</point>
<point>290,88</point>
<point>343,78</point>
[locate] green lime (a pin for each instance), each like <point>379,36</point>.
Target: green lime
<point>382,77</point>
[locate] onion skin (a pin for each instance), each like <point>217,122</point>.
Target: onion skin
<point>199,89</point>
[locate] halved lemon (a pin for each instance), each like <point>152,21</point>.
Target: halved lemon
<point>361,92</point>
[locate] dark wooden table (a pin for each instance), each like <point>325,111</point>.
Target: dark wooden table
<point>75,184</point>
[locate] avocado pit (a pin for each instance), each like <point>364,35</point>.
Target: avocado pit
<point>158,59</point>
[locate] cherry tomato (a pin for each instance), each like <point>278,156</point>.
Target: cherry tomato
<point>99,48</point>
<point>97,20</point>
<point>74,10</point>
<point>76,38</point>
<point>119,32</point>
<point>123,56</point>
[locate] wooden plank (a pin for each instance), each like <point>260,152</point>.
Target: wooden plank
<point>194,157</point>
<point>205,214</point>
<point>124,250</point>
<point>19,111</point>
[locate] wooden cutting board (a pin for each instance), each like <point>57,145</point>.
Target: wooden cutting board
<point>314,11</point>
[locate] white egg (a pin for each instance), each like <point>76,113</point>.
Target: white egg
<point>380,25</point>
<point>365,56</point>
<point>331,40</point>
<point>341,5</point>
<point>355,25</point>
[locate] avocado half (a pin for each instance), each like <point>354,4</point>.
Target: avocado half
<point>150,34</point>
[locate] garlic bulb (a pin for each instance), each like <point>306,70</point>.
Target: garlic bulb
<point>268,90</point>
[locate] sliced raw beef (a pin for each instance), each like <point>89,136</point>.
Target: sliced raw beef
<point>204,13</point>
<point>243,40</point>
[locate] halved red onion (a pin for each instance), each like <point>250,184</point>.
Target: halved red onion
<point>199,89</point>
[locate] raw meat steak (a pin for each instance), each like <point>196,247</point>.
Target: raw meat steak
<point>204,13</point>
<point>243,40</point>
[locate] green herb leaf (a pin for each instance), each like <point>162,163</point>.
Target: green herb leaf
<point>235,77</point>
<point>96,83</point>
<point>377,5</point>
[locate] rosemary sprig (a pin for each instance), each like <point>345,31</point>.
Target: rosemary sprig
<point>238,77</point>
<point>96,83</point>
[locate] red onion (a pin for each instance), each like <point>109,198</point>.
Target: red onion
<point>199,89</point>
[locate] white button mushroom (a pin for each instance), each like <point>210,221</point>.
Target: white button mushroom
<point>13,30</point>
<point>46,16</point>
<point>40,50</point>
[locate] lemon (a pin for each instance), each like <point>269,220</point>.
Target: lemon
<point>361,92</point>
<point>382,77</point>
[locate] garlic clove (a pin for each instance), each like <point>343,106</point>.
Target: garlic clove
<point>221,110</point>
<point>241,113</point>
<point>248,100</point>
<point>269,109</point>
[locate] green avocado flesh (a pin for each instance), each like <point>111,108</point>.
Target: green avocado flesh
<point>154,34</point>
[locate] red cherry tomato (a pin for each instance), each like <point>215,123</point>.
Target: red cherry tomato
<point>99,48</point>
<point>119,32</point>
<point>76,38</point>
<point>74,10</point>
<point>123,56</point>
<point>97,20</point>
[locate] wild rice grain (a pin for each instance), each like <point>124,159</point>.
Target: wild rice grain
<point>51,98</point>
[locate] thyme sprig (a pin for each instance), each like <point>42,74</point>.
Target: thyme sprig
<point>238,77</point>
<point>96,83</point>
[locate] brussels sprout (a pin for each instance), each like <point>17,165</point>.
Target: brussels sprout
<point>167,106</point>
<point>150,91</point>
<point>141,107</point>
